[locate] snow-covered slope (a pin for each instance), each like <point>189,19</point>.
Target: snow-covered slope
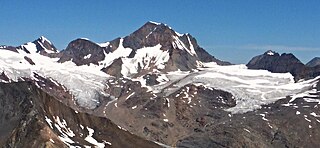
<point>42,45</point>
<point>251,88</point>
<point>85,83</point>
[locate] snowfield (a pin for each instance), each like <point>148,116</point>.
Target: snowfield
<point>251,88</point>
<point>86,83</point>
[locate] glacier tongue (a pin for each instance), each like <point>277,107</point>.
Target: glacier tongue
<point>251,88</point>
<point>86,83</point>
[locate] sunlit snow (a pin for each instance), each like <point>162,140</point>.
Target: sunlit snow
<point>86,83</point>
<point>251,88</point>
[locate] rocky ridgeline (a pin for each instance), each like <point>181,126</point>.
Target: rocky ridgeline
<point>142,106</point>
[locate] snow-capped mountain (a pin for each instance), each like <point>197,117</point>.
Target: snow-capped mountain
<point>152,88</point>
<point>274,62</point>
<point>153,47</point>
<point>41,45</point>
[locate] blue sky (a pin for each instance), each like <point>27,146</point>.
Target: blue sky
<point>231,30</point>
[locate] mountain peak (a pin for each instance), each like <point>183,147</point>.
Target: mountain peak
<point>155,23</point>
<point>271,53</point>
<point>41,45</point>
<point>44,39</point>
<point>314,62</point>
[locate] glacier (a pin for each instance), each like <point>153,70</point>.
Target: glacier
<point>251,88</point>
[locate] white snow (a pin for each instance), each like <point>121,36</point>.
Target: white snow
<point>156,23</point>
<point>93,141</point>
<point>31,47</point>
<point>298,113</point>
<point>151,32</point>
<point>264,117</point>
<point>162,79</point>
<point>44,39</point>
<point>62,126</point>
<point>122,128</point>
<point>168,102</point>
<point>87,56</point>
<point>120,52</point>
<point>134,107</point>
<point>147,58</point>
<point>130,95</point>
<point>86,83</point>
<point>246,130</point>
<point>307,119</point>
<point>251,88</point>
<point>314,114</point>
<point>106,44</point>
<point>271,53</point>
<point>65,133</point>
<point>85,39</point>
<point>192,51</point>
<point>48,121</point>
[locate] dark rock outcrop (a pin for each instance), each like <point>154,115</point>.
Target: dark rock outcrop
<point>114,69</point>
<point>152,34</point>
<point>4,77</point>
<point>274,62</point>
<point>10,48</point>
<point>78,49</point>
<point>314,62</point>
<point>29,60</point>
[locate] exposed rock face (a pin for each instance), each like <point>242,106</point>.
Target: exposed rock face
<point>114,69</point>
<point>4,78</point>
<point>184,52</point>
<point>32,118</point>
<point>283,63</point>
<point>314,62</point>
<point>83,52</point>
<point>276,63</point>
<point>262,128</point>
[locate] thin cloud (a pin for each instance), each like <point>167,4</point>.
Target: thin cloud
<point>265,47</point>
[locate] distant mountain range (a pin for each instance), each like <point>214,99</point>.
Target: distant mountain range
<point>154,88</point>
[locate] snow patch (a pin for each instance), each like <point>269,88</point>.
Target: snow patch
<point>192,51</point>
<point>130,95</point>
<point>145,58</point>
<point>49,122</point>
<point>106,44</point>
<point>31,47</point>
<point>87,56</point>
<point>134,107</point>
<point>91,140</point>
<point>270,53</point>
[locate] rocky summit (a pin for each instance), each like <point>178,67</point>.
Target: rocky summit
<point>154,88</point>
<point>314,62</point>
